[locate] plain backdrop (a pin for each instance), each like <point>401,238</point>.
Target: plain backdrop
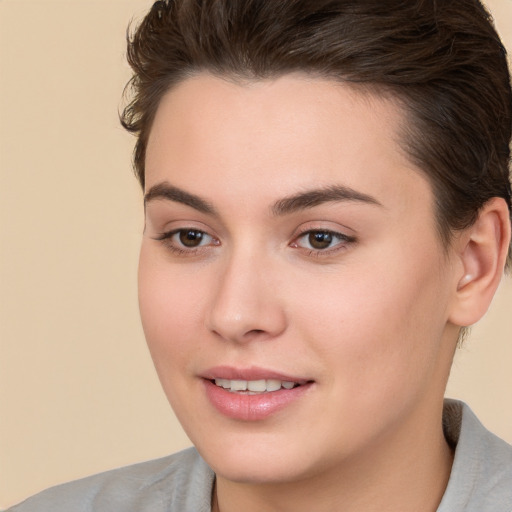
<point>78,393</point>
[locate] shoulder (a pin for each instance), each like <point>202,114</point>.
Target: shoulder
<point>481,477</point>
<point>181,482</point>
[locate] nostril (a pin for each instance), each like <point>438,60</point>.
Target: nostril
<point>244,320</point>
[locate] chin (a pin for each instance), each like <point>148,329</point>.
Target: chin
<point>259,461</point>
<point>268,472</point>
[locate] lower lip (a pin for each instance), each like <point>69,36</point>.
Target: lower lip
<point>257,407</point>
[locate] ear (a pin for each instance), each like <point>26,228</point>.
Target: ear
<point>482,252</point>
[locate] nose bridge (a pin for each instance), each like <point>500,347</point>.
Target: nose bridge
<point>244,304</point>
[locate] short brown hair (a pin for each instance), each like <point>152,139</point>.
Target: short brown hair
<point>442,60</point>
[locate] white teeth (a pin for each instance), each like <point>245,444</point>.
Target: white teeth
<point>254,386</point>
<point>224,383</point>
<point>273,385</point>
<point>257,385</point>
<point>238,385</point>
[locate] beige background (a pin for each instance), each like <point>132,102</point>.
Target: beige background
<point>78,393</point>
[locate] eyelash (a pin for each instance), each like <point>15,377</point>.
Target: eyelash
<point>343,242</point>
<point>166,239</point>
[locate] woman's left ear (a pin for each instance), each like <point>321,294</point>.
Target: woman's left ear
<point>482,252</point>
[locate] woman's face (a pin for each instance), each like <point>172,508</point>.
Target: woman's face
<point>290,247</point>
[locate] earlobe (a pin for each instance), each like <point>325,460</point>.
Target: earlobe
<point>483,251</point>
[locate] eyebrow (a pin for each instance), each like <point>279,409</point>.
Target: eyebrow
<point>312,198</point>
<point>287,205</point>
<point>167,191</point>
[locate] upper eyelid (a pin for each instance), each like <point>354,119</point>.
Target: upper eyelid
<point>164,227</point>
<point>180,249</point>
<point>324,226</point>
<point>321,230</point>
<point>338,234</point>
<point>343,243</point>
<point>171,232</point>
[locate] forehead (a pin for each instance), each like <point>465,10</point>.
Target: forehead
<point>294,132</point>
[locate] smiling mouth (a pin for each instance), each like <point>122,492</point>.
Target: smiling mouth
<point>254,387</point>
<point>260,395</point>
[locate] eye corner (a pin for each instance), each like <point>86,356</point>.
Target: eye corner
<point>187,241</point>
<point>322,241</point>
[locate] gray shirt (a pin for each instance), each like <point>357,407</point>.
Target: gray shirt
<point>480,480</point>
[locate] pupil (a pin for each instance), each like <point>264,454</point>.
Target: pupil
<point>320,239</point>
<point>191,238</point>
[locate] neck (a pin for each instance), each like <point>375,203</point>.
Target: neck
<point>397,473</point>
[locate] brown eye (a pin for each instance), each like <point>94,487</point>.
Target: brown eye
<point>320,239</point>
<point>191,237</point>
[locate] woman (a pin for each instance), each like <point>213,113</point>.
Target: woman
<point>327,206</point>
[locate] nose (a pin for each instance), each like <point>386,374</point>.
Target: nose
<point>245,304</point>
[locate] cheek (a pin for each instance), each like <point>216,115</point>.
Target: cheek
<point>378,323</point>
<point>170,306</point>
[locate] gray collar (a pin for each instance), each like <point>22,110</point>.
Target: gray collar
<point>481,476</point>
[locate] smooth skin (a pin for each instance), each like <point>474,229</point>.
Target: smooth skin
<point>353,292</point>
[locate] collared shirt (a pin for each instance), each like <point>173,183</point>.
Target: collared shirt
<point>481,476</point>
<point>480,480</point>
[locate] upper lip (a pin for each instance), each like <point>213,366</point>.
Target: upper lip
<point>252,373</point>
